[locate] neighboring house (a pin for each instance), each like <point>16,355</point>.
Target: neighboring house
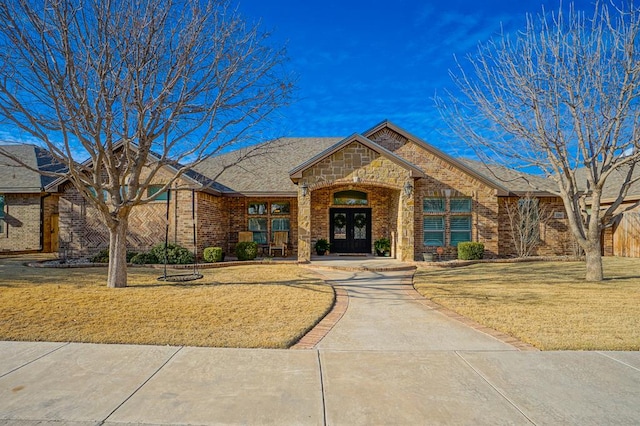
<point>384,182</point>
<point>28,214</point>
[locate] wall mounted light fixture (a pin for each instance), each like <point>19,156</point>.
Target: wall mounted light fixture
<point>305,189</point>
<point>408,189</point>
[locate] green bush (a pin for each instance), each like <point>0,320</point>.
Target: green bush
<point>246,250</point>
<point>382,245</point>
<point>470,251</point>
<point>101,257</point>
<point>213,254</point>
<point>175,254</point>
<point>144,258</point>
<point>131,255</point>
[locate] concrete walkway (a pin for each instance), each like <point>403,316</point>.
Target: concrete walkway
<point>389,360</point>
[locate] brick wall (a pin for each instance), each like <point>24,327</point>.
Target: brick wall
<point>442,176</point>
<point>213,221</point>
<point>555,235</point>
<point>82,232</point>
<point>380,200</point>
<point>21,228</point>
<point>50,208</point>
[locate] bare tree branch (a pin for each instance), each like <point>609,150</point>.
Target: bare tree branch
<point>562,96</point>
<point>135,86</point>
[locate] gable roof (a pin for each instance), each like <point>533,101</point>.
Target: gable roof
<point>614,182</point>
<point>296,173</point>
<point>200,181</point>
<point>15,178</point>
<point>494,183</point>
<point>266,175</point>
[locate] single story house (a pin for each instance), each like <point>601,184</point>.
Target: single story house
<point>381,183</point>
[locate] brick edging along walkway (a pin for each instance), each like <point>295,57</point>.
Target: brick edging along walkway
<point>317,333</point>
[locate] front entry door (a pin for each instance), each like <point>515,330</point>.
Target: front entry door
<point>350,230</point>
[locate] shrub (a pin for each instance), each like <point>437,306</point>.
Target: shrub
<point>175,254</point>
<point>213,254</point>
<point>131,255</point>
<point>382,245</point>
<point>322,246</point>
<point>246,250</point>
<point>470,251</point>
<point>143,259</point>
<point>101,257</point>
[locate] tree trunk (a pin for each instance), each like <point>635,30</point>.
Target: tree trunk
<point>117,274</point>
<point>594,263</point>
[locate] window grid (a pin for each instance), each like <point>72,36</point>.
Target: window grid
<point>446,221</point>
<point>154,189</point>
<point>265,218</point>
<point>434,229</point>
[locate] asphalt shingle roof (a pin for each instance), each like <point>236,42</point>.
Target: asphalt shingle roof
<point>514,180</point>
<point>265,173</point>
<point>15,178</point>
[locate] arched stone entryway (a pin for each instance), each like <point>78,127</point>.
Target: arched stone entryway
<point>357,164</point>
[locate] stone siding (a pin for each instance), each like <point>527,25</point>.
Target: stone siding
<point>356,166</point>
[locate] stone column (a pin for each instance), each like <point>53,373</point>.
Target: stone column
<point>405,235</point>
<point>304,225</point>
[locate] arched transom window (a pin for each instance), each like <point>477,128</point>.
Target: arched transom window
<point>350,198</point>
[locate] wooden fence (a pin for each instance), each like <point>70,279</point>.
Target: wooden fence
<point>626,236</point>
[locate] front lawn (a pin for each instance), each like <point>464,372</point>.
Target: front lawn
<point>546,304</point>
<point>253,306</point>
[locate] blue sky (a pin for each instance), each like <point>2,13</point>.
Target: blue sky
<point>360,62</point>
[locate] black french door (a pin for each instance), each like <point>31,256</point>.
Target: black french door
<point>350,230</point>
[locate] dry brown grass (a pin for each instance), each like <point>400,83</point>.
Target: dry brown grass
<point>265,306</point>
<point>546,304</point>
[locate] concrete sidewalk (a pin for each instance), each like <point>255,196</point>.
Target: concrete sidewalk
<point>389,360</point>
<point>58,383</point>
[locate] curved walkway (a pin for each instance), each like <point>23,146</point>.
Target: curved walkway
<point>385,313</point>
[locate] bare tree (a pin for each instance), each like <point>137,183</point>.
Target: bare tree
<point>526,216</point>
<point>134,86</point>
<point>560,96</point>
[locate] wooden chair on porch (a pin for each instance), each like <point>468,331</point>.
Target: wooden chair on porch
<point>280,242</point>
<point>245,236</point>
